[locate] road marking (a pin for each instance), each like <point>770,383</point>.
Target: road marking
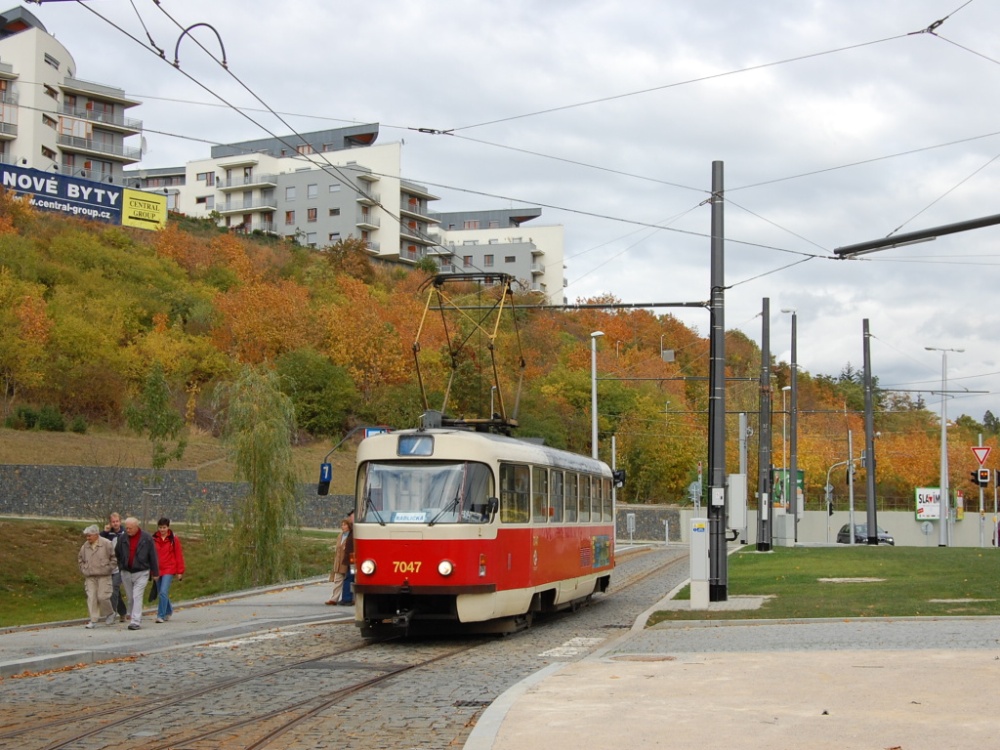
<point>573,647</point>
<point>251,639</point>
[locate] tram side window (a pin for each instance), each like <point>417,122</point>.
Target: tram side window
<point>539,494</point>
<point>571,496</point>
<point>606,501</point>
<point>514,481</point>
<point>595,500</point>
<point>584,497</point>
<point>556,496</point>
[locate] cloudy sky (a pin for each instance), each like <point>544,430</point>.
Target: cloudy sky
<point>837,122</point>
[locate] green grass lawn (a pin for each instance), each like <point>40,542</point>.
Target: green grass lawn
<point>40,580</point>
<point>910,582</point>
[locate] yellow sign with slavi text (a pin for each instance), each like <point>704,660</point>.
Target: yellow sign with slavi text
<point>144,210</point>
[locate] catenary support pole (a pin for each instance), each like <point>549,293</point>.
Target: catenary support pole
<point>869,439</point>
<point>718,574</point>
<point>764,434</point>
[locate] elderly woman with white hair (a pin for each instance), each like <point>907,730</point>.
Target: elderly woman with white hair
<point>97,563</point>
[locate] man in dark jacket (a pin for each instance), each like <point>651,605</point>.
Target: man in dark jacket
<point>137,561</point>
<point>115,532</point>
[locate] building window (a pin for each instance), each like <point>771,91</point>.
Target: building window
<point>49,91</point>
<point>207,177</point>
<point>51,61</point>
<point>494,241</point>
<point>494,225</point>
<point>509,259</point>
<point>208,201</point>
<point>335,187</point>
<point>46,120</point>
<point>334,236</point>
<point>289,218</point>
<point>48,153</point>
<point>466,260</point>
<point>310,214</point>
<point>488,261</point>
<point>312,191</point>
<point>473,224</point>
<point>304,150</point>
<point>334,212</point>
<point>290,193</point>
<point>311,239</point>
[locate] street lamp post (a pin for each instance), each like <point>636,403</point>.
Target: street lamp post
<point>784,447</point>
<point>794,442</point>
<point>593,392</point>
<point>945,501</point>
<point>493,390</point>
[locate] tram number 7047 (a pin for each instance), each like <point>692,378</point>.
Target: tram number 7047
<point>398,566</point>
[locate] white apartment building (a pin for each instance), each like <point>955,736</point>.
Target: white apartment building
<point>317,188</point>
<point>53,121</point>
<point>498,241</point>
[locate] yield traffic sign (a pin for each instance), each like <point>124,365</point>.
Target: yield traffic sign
<point>981,452</point>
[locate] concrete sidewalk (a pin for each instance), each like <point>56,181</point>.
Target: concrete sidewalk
<point>55,645</point>
<point>903,684</point>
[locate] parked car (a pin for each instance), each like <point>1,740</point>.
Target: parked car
<point>861,535</point>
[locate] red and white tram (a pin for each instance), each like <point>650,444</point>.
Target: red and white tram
<point>455,527</point>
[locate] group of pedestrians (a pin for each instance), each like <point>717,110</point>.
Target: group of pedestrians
<point>124,554</point>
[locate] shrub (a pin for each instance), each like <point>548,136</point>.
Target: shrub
<point>51,419</point>
<point>23,418</point>
<point>78,425</point>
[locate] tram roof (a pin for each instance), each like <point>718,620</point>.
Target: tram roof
<point>501,446</point>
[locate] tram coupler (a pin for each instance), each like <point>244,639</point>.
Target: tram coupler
<point>402,619</point>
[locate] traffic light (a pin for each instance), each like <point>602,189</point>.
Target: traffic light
<point>829,507</point>
<point>618,477</point>
<point>974,475</point>
<point>984,478</point>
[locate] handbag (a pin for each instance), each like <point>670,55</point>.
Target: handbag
<point>155,591</point>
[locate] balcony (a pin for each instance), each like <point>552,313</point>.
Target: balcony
<point>264,227</point>
<point>250,181</point>
<point>372,246</point>
<point>538,268</point>
<point>417,211</point>
<point>115,151</point>
<point>8,130</point>
<point>97,91</point>
<point>241,207</point>
<point>367,221</point>
<point>414,235</point>
<point>368,198</point>
<point>109,120</point>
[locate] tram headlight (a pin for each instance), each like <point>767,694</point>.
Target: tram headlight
<point>368,567</point>
<point>445,567</point>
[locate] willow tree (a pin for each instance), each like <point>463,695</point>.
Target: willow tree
<point>258,424</point>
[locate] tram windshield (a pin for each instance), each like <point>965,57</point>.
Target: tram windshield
<point>425,492</point>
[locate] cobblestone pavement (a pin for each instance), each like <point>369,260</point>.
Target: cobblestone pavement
<point>427,707</point>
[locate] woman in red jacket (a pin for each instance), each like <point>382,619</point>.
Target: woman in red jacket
<point>171,559</point>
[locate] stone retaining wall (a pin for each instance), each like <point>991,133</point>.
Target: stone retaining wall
<point>92,492</point>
